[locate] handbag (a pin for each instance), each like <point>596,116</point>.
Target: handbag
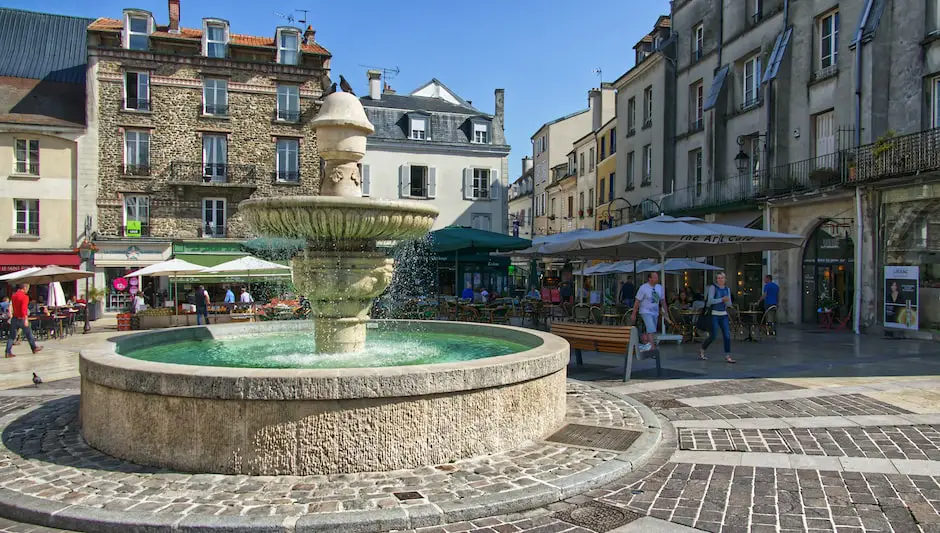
<point>704,322</point>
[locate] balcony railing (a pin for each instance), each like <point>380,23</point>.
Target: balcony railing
<point>887,158</point>
<point>696,124</point>
<point>137,104</point>
<point>209,230</point>
<point>134,170</point>
<point>286,176</point>
<point>218,110</point>
<point>288,115</point>
<point>194,173</point>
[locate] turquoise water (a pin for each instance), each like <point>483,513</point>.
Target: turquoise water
<point>292,350</point>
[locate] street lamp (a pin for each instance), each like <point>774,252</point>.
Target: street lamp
<point>743,161</point>
<point>659,206</point>
<point>85,250</point>
<point>610,211</point>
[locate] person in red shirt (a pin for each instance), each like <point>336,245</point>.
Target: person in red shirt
<point>20,320</point>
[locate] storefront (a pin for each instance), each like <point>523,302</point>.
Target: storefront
<point>472,270</point>
<point>744,272</point>
<point>829,269</point>
<point>910,236</point>
<point>208,253</point>
<point>11,261</point>
<point>116,258</point>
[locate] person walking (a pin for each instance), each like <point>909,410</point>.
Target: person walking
<point>202,305</point>
<point>650,298</point>
<point>771,293</point>
<point>627,292</point>
<point>229,299</point>
<point>245,297</point>
<point>718,299</point>
<point>20,320</point>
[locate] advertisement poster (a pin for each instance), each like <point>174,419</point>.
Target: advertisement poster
<point>901,297</point>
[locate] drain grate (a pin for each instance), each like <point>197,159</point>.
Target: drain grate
<point>598,516</point>
<point>666,404</point>
<point>404,496</point>
<point>595,437</point>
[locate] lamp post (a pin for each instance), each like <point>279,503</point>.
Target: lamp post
<point>659,206</point>
<point>742,161</point>
<point>85,250</point>
<point>615,221</point>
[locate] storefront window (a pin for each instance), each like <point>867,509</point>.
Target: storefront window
<point>911,237</point>
<point>828,270</point>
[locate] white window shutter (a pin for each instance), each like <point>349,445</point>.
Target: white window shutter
<point>366,184</point>
<point>468,184</point>
<point>432,182</point>
<point>495,184</point>
<point>404,181</point>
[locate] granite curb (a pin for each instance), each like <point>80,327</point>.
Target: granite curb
<point>25,508</point>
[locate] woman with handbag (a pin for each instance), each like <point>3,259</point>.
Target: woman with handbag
<point>717,302</point>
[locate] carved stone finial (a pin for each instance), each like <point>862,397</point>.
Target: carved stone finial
<point>341,128</point>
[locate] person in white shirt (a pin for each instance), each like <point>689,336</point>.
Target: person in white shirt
<point>650,298</point>
<point>139,304</point>
<point>245,297</point>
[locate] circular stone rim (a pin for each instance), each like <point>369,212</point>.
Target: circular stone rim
<point>102,364</point>
<point>293,202</point>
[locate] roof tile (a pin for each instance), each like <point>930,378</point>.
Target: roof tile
<point>28,52</point>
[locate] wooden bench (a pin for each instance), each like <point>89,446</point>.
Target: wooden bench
<point>605,339</point>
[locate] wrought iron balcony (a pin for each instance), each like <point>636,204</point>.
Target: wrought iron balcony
<point>217,110</point>
<point>136,104</point>
<point>212,174</point>
<point>213,231</point>
<point>134,170</point>
<point>288,115</point>
<point>292,176</point>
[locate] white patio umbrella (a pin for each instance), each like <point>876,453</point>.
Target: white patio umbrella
<point>52,274</point>
<point>171,268</point>
<point>676,265</point>
<point>55,297</point>
<point>666,237</point>
<point>13,275</point>
<point>247,265</point>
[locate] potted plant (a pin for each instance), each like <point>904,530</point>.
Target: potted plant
<point>827,303</point>
<point>580,213</point>
<point>93,300</point>
<point>590,211</point>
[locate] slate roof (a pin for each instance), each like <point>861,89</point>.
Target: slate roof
<point>42,103</point>
<point>191,34</point>
<point>420,103</point>
<point>43,46</point>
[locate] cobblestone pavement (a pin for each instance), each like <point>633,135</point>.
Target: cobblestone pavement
<point>844,405</point>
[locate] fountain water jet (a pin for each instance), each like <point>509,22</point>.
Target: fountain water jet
<point>340,271</point>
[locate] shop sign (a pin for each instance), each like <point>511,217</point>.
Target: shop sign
<point>133,229</point>
<point>206,247</point>
<point>901,297</point>
<point>119,284</point>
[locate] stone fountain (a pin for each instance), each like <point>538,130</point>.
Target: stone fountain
<point>340,271</point>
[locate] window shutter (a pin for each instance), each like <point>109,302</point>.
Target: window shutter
<point>404,181</point>
<point>366,184</point>
<point>432,182</point>
<point>468,184</point>
<point>495,185</point>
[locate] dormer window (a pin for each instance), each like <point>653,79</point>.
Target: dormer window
<point>288,46</point>
<point>215,38</point>
<point>481,133</point>
<point>419,128</point>
<point>137,28</point>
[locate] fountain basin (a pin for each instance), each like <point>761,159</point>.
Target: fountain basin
<point>263,421</point>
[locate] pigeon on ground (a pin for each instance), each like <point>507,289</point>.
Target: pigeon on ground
<point>36,379</point>
<point>345,86</point>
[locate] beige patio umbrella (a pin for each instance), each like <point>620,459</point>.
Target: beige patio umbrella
<point>52,274</point>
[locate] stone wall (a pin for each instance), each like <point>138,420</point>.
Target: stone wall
<point>176,125</point>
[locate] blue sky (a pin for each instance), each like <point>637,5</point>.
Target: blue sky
<point>543,53</point>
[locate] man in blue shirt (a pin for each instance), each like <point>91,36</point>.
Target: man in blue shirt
<point>229,298</point>
<point>771,292</point>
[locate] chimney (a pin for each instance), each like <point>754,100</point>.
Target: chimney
<point>526,164</point>
<point>174,16</point>
<point>499,130</point>
<point>388,89</point>
<point>596,103</point>
<point>309,35</point>
<point>375,84</point>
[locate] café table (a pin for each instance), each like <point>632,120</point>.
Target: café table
<point>752,317</point>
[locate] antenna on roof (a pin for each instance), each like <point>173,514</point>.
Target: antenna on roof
<point>288,18</point>
<point>387,73</point>
<point>303,20</point>
<point>599,73</point>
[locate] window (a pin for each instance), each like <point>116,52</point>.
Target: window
<point>631,172</point>
<point>552,210</point>
<point>481,183</point>
<point>698,42</point>
<point>631,116</point>
<point>215,40</point>
<point>696,105</point>
<point>27,157</point>
<point>571,207</point>
<point>695,170</point>
<point>136,216</point>
<point>27,217</point>
<point>603,145</point>
<point>936,104</point>
<point>138,37</point>
<point>751,79</point>
<point>825,137</point>
<point>581,164</point>
<point>647,165</point>
<point>136,153</point>
<point>481,133</point>
<point>613,141</point>
<point>288,160</point>
<point>480,221</point>
<point>591,160</point>
<point>137,91</point>
<point>213,158</point>
<point>419,128</point>
<point>828,39</point>
<point>215,97</point>
<point>213,217</point>
<point>288,103</point>
<point>648,107</point>
<point>610,186</point>
<point>419,182</point>
<point>581,204</point>
<point>590,200</point>
<point>287,48</point>
<point>933,16</point>
<point>602,191</point>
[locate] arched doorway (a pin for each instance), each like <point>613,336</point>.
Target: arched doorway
<point>828,269</point>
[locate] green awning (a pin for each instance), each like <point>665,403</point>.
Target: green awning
<point>208,260</point>
<point>470,240</point>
